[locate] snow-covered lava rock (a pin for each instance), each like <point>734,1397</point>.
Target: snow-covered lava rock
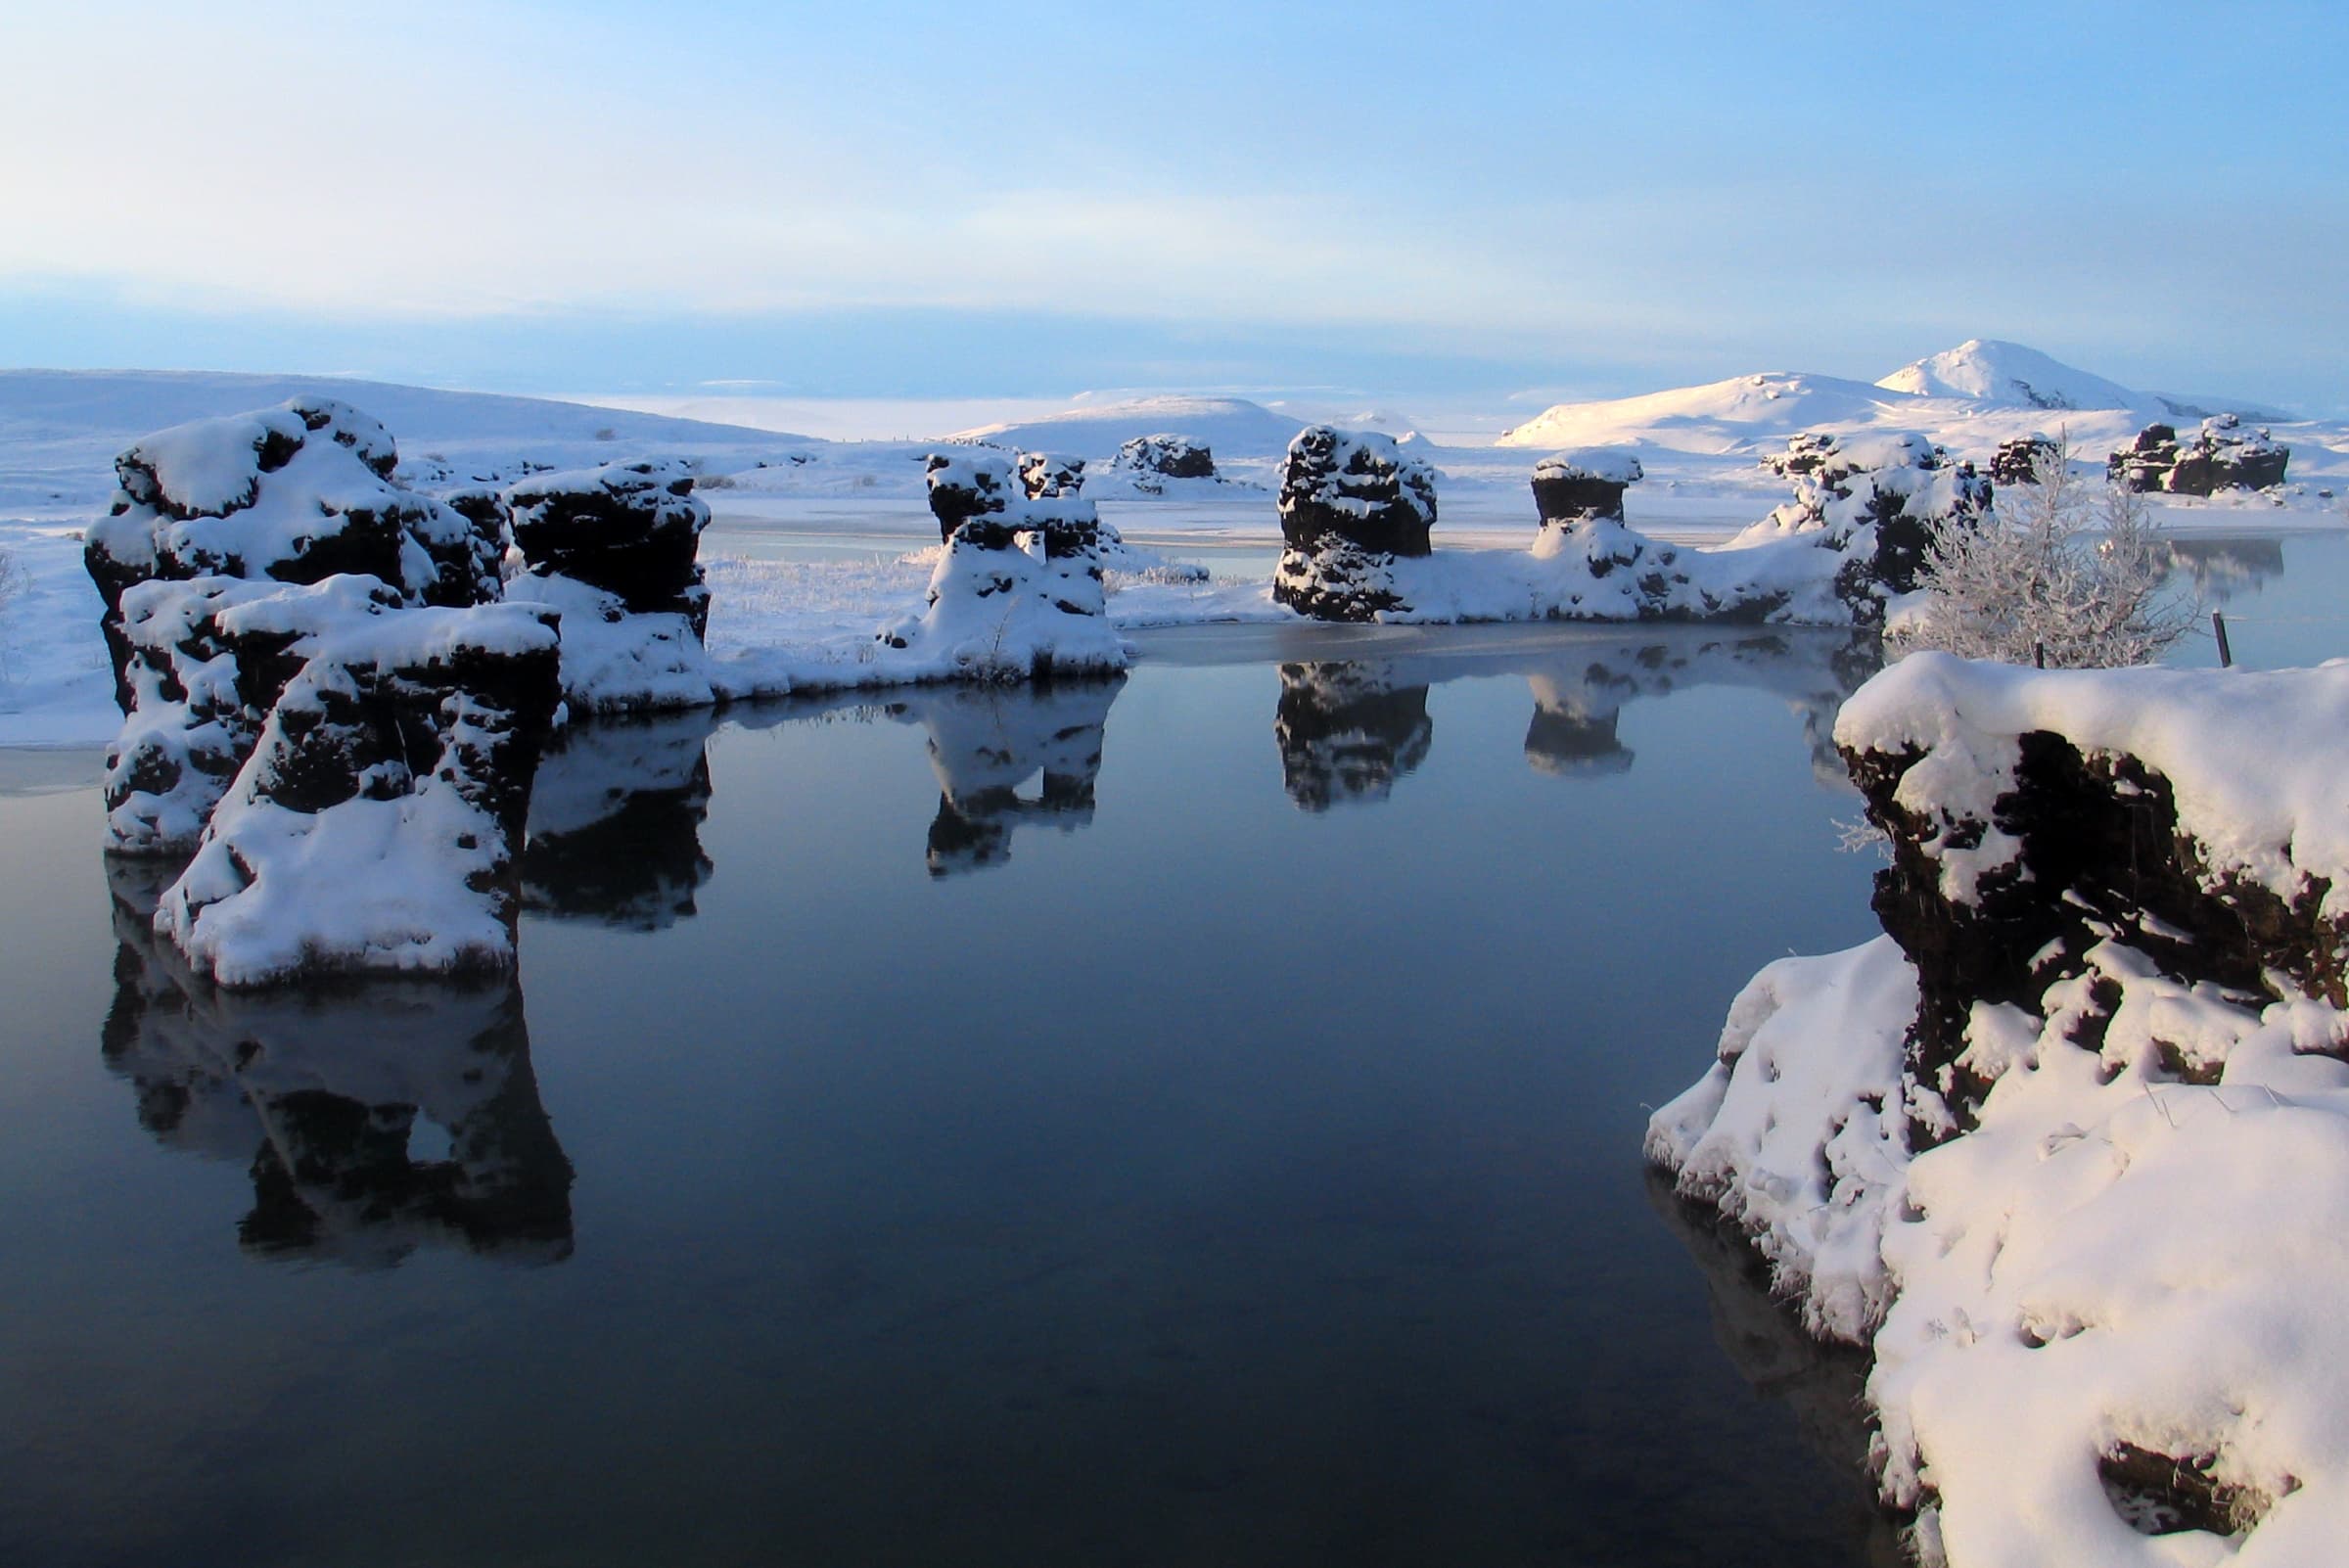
<point>1897,487</point>
<point>1154,459</point>
<point>2069,1146</point>
<point>2222,455</point>
<point>1017,595</point>
<point>969,483</point>
<point>1045,477</point>
<point>2017,460</point>
<point>348,758</point>
<point>1350,505</point>
<point>1584,487</point>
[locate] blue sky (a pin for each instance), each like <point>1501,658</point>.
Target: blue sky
<point>898,199</point>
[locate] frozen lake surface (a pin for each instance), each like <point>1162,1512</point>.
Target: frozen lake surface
<point>1191,1119</point>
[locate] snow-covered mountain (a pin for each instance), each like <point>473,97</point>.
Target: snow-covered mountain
<point>1987,371</point>
<point>1722,416</point>
<point>1233,427</point>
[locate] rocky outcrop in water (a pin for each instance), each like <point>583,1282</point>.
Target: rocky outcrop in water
<point>1350,505</point>
<point>2222,455</point>
<point>629,530</point>
<point>347,755</point>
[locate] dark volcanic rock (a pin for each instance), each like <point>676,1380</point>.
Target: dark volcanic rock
<point>1351,504</point>
<point>2221,455</point>
<point>297,494</point>
<point>1901,486</point>
<point>1584,487</point>
<point>1045,477</point>
<point>631,529</point>
<point>2018,460</point>
<point>966,484</point>
<point>1164,457</point>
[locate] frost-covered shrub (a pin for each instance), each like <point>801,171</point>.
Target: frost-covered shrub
<point>2055,573</point>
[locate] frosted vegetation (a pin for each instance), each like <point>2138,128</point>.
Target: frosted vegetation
<point>2058,573</point>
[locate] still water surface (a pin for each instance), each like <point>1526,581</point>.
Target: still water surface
<point>1189,1120</point>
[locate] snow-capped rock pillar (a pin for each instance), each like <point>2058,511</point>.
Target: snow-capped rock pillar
<point>1350,505</point>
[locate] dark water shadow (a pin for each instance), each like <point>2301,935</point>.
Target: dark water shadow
<point>327,1092</point>
<point>616,821</point>
<point>1822,1386</point>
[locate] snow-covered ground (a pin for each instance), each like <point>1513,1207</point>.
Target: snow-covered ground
<point>815,543</point>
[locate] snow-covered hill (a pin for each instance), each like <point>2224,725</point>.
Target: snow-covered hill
<point>1745,413</point>
<point>60,429</point>
<point>1986,370</point>
<point>1233,426</point>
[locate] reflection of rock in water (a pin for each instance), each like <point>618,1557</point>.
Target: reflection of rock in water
<point>1823,1385</point>
<point>2225,568</point>
<point>1565,736</point>
<point>1578,695</point>
<point>1348,731</point>
<point>616,821</point>
<point>988,741</point>
<point>321,1090</point>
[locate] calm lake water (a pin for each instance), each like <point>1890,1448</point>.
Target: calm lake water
<point>1188,1120</point>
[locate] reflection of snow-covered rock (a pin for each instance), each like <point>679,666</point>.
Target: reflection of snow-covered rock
<point>616,821</point>
<point>2069,1145</point>
<point>987,742</point>
<point>1348,731</point>
<point>1351,506</point>
<point>322,1090</point>
<point>1568,733</point>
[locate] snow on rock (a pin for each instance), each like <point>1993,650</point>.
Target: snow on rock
<point>1147,462</point>
<point>2069,1146</point>
<point>964,485</point>
<point>293,494</point>
<point>1045,477</point>
<point>375,825</point>
<point>1990,370</point>
<point>1584,486</point>
<point>1350,505</point>
<point>1015,596</point>
<point>632,530</point>
<point>2222,455</point>
<point>320,1091</point>
<point>1878,496</point>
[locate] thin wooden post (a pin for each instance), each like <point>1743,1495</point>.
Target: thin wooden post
<point>2038,655</point>
<point>2217,624</point>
